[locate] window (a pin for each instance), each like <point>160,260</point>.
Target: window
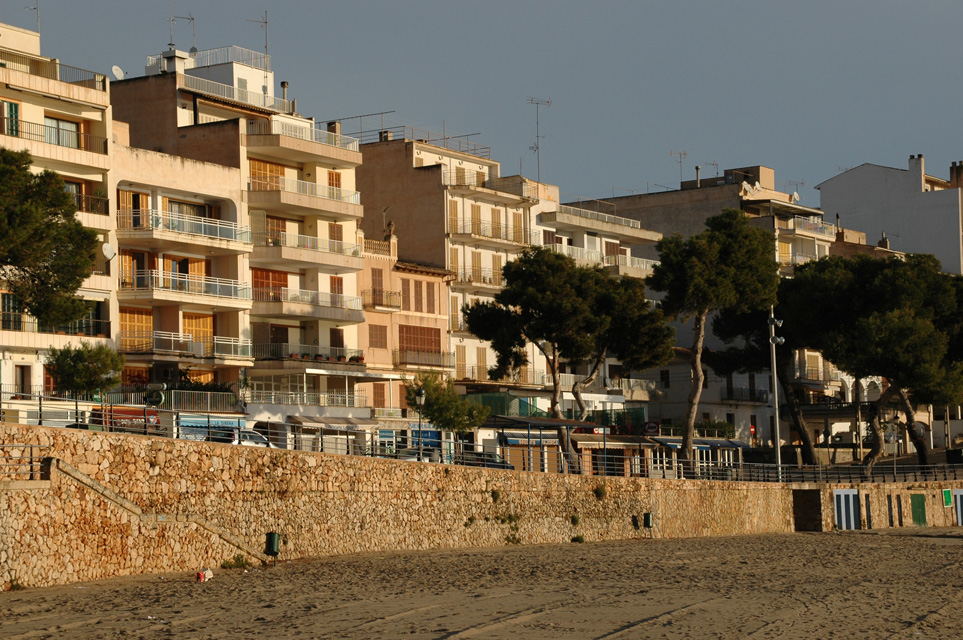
<point>453,259</point>
<point>335,232</point>
<point>664,379</point>
<point>378,395</point>
<point>377,336</point>
<point>518,232</point>
<point>476,266</point>
<point>548,237</point>
<point>476,219</point>
<point>481,360</point>
<point>496,223</point>
<point>430,297</point>
<point>275,231</point>
<point>334,179</point>
<point>452,216</point>
<point>705,379</point>
<point>497,270</point>
<point>377,279</point>
<point>268,284</point>
<point>11,118</point>
<point>200,327</point>
<point>706,417</point>
<point>454,310</point>
<point>62,133</point>
<point>266,176</point>
<point>611,248</point>
<point>337,285</point>
<point>419,296</point>
<point>752,388</point>
<point>479,178</point>
<point>424,339</point>
<point>12,317</point>
<point>731,418</point>
<point>459,175</point>
<point>336,338</point>
<point>187,208</point>
<point>405,294</point>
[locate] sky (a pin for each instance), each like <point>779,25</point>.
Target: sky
<point>807,88</point>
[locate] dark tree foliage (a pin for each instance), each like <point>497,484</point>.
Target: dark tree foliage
<point>730,265</point>
<point>45,252</point>
<point>85,368</point>
<point>443,407</point>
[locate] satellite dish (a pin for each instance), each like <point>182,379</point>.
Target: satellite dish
<point>795,196</point>
<point>746,187</point>
<point>757,186</point>
<point>193,52</point>
<point>108,251</point>
<point>118,72</point>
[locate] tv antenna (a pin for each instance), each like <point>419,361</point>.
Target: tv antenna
<point>682,155</point>
<point>789,184</point>
<point>36,8</point>
<point>170,44</point>
<point>190,16</point>
<point>538,102</point>
<point>263,21</point>
<point>713,164</point>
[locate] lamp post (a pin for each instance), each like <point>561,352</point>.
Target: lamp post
<point>773,341</point>
<point>420,400</point>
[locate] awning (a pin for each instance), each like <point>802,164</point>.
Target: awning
<point>336,423</point>
<point>676,443</point>
<point>343,373</point>
<point>598,441</point>
<point>524,438</point>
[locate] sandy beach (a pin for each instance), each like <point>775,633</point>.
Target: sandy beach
<point>899,584</point>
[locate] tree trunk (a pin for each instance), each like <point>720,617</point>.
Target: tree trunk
<point>584,382</point>
<point>876,449</point>
<point>808,451</point>
<point>572,463</point>
<point>698,378</point>
<point>922,452</point>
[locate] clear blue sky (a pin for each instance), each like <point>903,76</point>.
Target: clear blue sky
<point>803,87</point>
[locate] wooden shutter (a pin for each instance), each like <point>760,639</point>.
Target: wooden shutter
<point>476,266</point>
<point>497,270</point>
<point>335,232</point>
<point>455,313</point>
<point>518,230</point>
<point>429,297</point>
<point>481,360</point>
<point>453,216</point>
<point>461,370</point>
<point>476,219</point>
<point>496,223</point>
<point>405,294</point>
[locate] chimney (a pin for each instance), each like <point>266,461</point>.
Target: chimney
<point>956,175</point>
<point>884,242</point>
<point>385,136</point>
<point>698,179</point>
<point>334,126</point>
<point>284,89</point>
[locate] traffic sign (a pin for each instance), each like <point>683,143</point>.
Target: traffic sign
<point>651,428</point>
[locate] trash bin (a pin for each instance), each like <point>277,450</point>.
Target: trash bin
<point>272,544</point>
<point>647,520</point>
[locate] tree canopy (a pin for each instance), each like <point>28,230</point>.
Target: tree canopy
<point>45,252</point>
<point>85,368</point>
<point>730,265</point>
<point>443,407</point>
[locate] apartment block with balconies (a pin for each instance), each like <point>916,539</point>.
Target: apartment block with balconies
<point>62,115</point>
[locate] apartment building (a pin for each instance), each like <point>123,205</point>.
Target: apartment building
<point>62,116</point>
<point>917,212</point>
<point>297,270</point>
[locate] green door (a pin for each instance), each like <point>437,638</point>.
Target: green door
<point>918,503</point>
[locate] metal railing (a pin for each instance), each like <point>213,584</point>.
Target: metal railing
<point>403,357</point>
<point>505,232</point>
<point>638,384</point>
<point>453,143</point>
<point>629,261</point>
<point>153,280</point>
<point>91,204</point>
<point>304,296</point>
<point>381,298</point>
<point>796,258</point>
<point>22,461</point>
<point>744,394</point>
<point>225,346</point>
<point>219,55</point>
<point>10,321</point>
<point>479,275</point>
<point>577,253</point>
<point>312,134</point>
<point>301,187</point>
<point>599,217</point>
<point>53,135</point>
<point>52,70</point>
<point>152,219</point>
<point>227,92</point>
<point>150,341</point>
<point>177,400</point>
<point>819,374</point>
<point>479,179</point>
<point>293,351</point>
<point>308,398</point>
<point>814,226</point>
<point>297,241</point>
<point>387,412</point>
<point>480,373</point>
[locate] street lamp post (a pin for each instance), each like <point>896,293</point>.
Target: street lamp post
<point>773,341</point>
<point>420,399</point>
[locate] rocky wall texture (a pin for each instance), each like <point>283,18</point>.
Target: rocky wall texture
<point>120,504</point>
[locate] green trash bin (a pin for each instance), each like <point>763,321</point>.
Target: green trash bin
<point>647,520</point>
<point>272,544</point>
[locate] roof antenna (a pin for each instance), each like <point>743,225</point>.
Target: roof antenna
<point>190,16</point>
<point>170,45</point>
<point>37,9</point>
<point>538,102</point>
<point>682,155</point>
<point>263,21</point>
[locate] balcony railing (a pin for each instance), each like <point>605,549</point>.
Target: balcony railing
<point>460,144</point>
<point>152,219</point>
<point>480,373</point>
<point>744,394</point>
<point>53,135</point>
<point>796,258</point>
<point>508,233</point>
<point>227,92</point>
<point>184,283</point>
<point>578,253</point>
<point>220,55</point>
<point>379,247</point>
<point>629,261</point>
<point>226,347</point>
<point>312,134</point>
<point>150,341</point>
<point>304,296</point>
<point>819,374</point>
<point>23,323</point>
<point>53,70</point>
<point>423,358</point>
<point>307,398</point>
<point>91,204</point>
<point>480,179</point>
<point>387,412</point>
<point>381,298</point>
<point>479,275</point>
<point>600,217</point>
<point>637,384</point>
<point>292,351</point>
<point>814,225</point>
<point>290,185</point>
<point>312,243</point>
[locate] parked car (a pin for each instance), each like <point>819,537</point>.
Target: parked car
<point>487,459</point>
<point>244,437</point>
<point>427,454</point>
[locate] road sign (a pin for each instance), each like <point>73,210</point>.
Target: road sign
<point>154,398</point>
<point>651,428</point>
<point>752,429</point>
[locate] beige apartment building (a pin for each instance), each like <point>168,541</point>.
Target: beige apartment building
<point>286,275</point>
<point>62,116</point>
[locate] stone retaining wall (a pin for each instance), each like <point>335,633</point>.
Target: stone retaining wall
<point>122,504</point>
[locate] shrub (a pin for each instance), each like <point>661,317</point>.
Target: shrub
<point>599,492</point>
<point>579,539</point>
<point>239,561</point>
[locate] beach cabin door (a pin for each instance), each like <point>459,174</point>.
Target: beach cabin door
<point>958,501</point>
<point>847,508</point>
<point>918,504</point>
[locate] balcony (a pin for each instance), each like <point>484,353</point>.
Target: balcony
<point>477,185</point>
<point>419,359</point>
<point>307,352</point>
<point>54,143</point>
<point>284,250</point>
<point>809,226</point>
<point>169,229</point>
<point>627,266</point>
<point>307,398</point>
<point>823,374</point>
<point>744,394</point>
<point>477,279</point>
<point>583,256</point>
<point>191,291</point>
<point>91,204</point>
<point>496,236</point>
<point>22,323</point>
<point>303,304</point>
<point>220,347</point>
<point>298,143</point>
<point>377,247</point>
<point>304,197</point>
<point>228,93</point>
<point>51,69</point>
<point>459,144</point>
<point>381,300</point>
<point>580,220</point>
<point>480,374</point>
